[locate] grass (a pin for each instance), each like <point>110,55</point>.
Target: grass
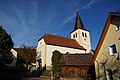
<point>46,73</point>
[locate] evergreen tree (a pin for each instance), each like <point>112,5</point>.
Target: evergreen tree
<point>6,44</point>
<point>56,64</point>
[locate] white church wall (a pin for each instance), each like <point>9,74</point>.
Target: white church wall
<point>75,35</point>
<point>85,40</point>
<point>51,48</point>
<point>41,51</point>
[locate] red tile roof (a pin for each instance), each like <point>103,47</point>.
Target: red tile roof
<point>27,54</point>
<point>62,41</point>
<point>77,59</point>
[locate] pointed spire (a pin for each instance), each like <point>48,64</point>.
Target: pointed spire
<point>78,22</point>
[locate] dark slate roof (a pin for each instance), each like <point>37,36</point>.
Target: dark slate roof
<point>62,41</point>
<point>77,59</point>
<point>27,54</point>
<point>78,22</point>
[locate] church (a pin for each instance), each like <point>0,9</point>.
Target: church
<point>76,53</point>
<point>79,43</point>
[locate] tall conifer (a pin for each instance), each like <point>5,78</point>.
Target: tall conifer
<point>6,44</point>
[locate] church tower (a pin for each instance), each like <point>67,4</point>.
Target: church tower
<point>80,34</point>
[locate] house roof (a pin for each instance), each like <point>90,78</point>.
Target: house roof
<point>105,30</point>
<point>61,41</point>
<point>27,54</point>
<point>77,59</point>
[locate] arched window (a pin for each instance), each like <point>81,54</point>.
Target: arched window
<point>83,34</point>
<point>73,35</point>
<point>76,34</point>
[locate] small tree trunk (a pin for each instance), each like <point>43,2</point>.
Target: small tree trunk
<point>51,72</point>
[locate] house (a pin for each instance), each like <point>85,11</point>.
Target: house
<point>77,66</point>
<point>78,43</point>
<point>107,54</point>
<point>25,57</point>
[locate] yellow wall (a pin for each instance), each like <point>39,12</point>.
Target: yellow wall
<point>112,37</point>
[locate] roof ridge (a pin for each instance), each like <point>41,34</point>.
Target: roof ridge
<point>61,41</point>
<point>23,48</point>
<point>117,12</point>
<point>78,54</point>
<point>58,36</point>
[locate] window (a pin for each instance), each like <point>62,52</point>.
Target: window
<point>76,34</point>
<point>109,74</point>
<point>40,42</point>
<point>118,38</point>
<point>73,35</point>
<point>117,26</point>
<point>112,49</point>
<point>83,34</point>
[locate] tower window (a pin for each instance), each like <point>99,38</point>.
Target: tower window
<point>76,34</point>
<point>83,34</point>
<point>73,35</point>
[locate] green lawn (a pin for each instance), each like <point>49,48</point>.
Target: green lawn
<point>46,73</point>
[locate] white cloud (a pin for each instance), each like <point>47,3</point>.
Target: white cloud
<point>89,4</point>
<point>20,16</point>
<point>67,19</point>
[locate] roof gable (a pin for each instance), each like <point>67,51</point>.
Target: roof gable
<point>62,41</point>
<point>105,30</point>
<point>27,54</point>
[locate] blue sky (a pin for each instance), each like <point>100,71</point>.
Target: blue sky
<point>28,20</point>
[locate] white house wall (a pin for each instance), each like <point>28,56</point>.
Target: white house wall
<point>14,55</point>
